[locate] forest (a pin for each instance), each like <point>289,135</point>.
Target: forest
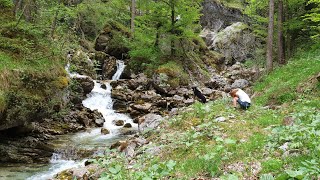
<point>141,89</point>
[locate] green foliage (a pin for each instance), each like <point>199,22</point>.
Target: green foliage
<point>158,33</point>
<point>175,73</point>
<point>272,165</point>
<point>22,107</point>
<point>144,59</point>
<point>301,19</point>
<point>288,79</point>
<point>301,138</point>
<point>117,168</point>
<point>6,4</point>
<point>313,18</point>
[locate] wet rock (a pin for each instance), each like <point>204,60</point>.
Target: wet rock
<point>119,95</point>
<point>127,125</point>
<point>118,122</point>
<point>109,67</point>
<point>103,86</point>
<point>99,122</point>
<point>83,64</point>
<point>120,106</point>
<point>105,131</point>
<point>86,83</point>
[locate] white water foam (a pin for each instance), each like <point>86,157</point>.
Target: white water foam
<point>98,99</point>
<point>57,165</point>
<point>120,68</point>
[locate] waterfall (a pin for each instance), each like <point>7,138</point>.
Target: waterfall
<point>120,68</point>
<point>73,74</point>
<point>98,99</point>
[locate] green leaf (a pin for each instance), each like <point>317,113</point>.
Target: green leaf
<point>229,141</point>
<point>295,174</point>
<point>171,164</point>
<point>266,177</point>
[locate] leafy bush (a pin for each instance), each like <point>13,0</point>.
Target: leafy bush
<point>6,4</point>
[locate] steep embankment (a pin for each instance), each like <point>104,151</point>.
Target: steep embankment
<point>35,91</point>
<point>31,73</point>
<point>276,138</point>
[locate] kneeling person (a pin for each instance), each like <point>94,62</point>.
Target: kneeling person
<point>241,97</point>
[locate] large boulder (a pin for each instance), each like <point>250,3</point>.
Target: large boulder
<point>236,42</point>
<point>217,82</point>
<point>111,40</point>
<point>109,67</point>
<point>216,16</point>
<point>150,121</point>
<point>86,84</point>
<point>240,83</point>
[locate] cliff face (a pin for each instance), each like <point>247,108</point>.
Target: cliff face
<point>216,16</point>
<point>226,31</point>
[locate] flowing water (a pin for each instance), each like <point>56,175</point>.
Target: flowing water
<point>68,146</point>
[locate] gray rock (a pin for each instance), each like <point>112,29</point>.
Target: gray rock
<point>143,107</point>
<point>220,119</point>
<point>240,83</point>
<point>150,121</point>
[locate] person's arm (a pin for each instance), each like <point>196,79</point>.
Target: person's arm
<point>235,99</point>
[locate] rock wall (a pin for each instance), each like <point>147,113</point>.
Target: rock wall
<point>216,16</point>
<point>226,31</point>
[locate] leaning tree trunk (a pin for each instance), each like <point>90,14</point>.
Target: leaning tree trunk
<point>281,53</point>
<point>270,37</point>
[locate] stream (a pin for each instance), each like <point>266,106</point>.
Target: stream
<point>67,147</point>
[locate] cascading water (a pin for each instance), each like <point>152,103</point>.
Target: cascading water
<point>120,67</point>
<point>99,99</point>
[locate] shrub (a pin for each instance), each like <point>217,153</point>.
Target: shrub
<point>6,4</point>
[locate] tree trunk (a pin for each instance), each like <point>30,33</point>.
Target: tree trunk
<point>172,28</point>
<point>133,11</point>
<point>270,37</point>
<point>281,54</point>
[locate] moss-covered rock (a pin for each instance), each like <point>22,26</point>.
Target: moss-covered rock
<point>113,40</point>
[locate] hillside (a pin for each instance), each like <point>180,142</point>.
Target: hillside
<point>277,138</point>
<point>31,70</point>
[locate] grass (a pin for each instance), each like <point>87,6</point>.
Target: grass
<point>247,144</point>
<point>281,84</point>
